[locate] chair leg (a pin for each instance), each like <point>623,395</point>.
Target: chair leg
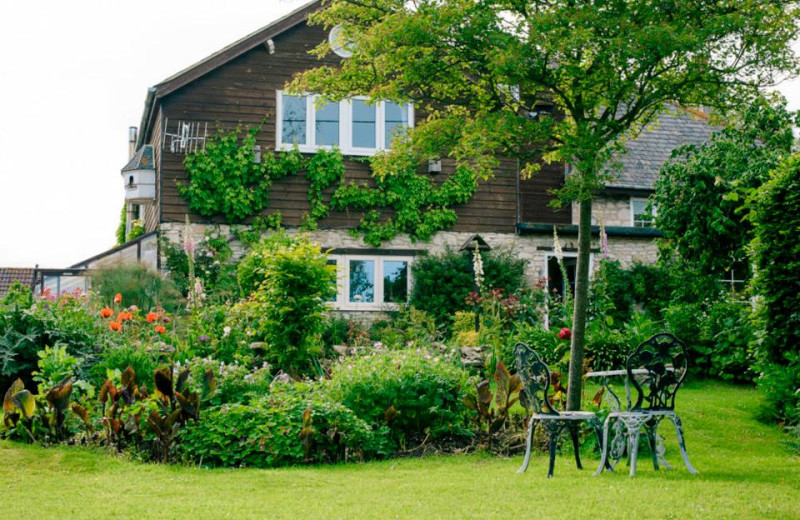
<point>679,430</point>
<point>528,444</point>
<point>573,432</point>
<point>604,449</point>
<point>553,433</point>
<point>650,429</point>
<point>633,447</point>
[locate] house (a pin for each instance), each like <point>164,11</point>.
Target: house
<point>11,275</point>
<point>242,86</point>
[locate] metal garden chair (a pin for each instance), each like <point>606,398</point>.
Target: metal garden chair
<point>656,370</point>
<point>535,378</point>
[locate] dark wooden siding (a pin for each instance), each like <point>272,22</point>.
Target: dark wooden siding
<point>243,93</point>
<point>151,212</point>
<point>535,196</point>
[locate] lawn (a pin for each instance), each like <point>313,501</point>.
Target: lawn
<point>745,473</point>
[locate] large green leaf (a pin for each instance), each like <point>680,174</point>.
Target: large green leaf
<point>8,401</point>
<point>26,403</point>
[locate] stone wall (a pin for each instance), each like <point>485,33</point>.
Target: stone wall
<point>533,248</point>
<point>612,211</point>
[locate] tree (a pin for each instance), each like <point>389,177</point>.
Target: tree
<point>485,73</point>
<point>701,192</point>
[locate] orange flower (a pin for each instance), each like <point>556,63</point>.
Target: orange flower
<point>122,316</point>
<point>115,326</point>
<point>106,312</point>
<point>118,298</point>
<point>151,317</point>
<point>160,329</point>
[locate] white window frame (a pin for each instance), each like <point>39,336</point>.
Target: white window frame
<point>650,223</point>
<point>345,127</point>
<point>546,274</point>
<point>343,302</point>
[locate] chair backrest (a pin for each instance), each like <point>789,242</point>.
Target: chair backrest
<point>535,378</point>
<point>663,357</point>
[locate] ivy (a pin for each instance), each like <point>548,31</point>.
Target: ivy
<point>404,201</point>
<point>225,179</point>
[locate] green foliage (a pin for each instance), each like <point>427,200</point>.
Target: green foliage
<point>406,328</point>
<point>553,350</point>
<point>117,358</point>
<point>224,178</point>
<point>701,192</point>
<point>324,169</point>
<point>287,309</point>
<point>492,409</point>
<point>214,266</point>
<point>652,286</point>
<point>236,382</point>
<point>17,296</point>
<point>776,247</point>
<point>296,423</point>
<point>138,286</point>
<point>403,201</point>
<point>55,365</point>
<point>611,297</point>
<point>123,224</point>
<point>250,273</point>
<point>606,348</point>
<point>443,282</point>
<point>414,395</point>
<point>65,320</point>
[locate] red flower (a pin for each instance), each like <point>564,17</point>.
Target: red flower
<point>118,298</point>
<point>565,333</point>
<point>124,316</point>
<point>106,312</point>
<point>115,326</point>
<point>160,329</point>
<point>151,317</point>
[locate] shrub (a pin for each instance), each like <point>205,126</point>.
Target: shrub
<point>406,328</point>
<point>287,311</point>
<point>141,359</point>
<point>553,350</point>
<point>606,348</point>
<point>297,423</point>
<point>611,295</point>
<point>138,286</point>
<point>413,394</point>
<point>213,266</point>
<point>728,330</point>
<point>684,320</point>
<point>443,282</point>
<point>776,216</point>
<point>236,382</point>
<point>25,331</point>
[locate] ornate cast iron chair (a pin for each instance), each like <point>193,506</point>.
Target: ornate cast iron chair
<point>536,382</point>
<point>656,370</point>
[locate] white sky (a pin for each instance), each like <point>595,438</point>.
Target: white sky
<point>73,78</point>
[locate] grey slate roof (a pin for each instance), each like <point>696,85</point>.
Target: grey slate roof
<point>648,152</point>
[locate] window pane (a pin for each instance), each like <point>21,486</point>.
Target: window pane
<point>294,119</point>
<point>335,283</point>
<point>327,125</point>
<point>396,121</point>
<point>362,281</point>
<point>641,217</point>
<point>363,124</point>
<point>395,281</point>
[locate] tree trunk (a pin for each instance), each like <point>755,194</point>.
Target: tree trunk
<point>574,390</point>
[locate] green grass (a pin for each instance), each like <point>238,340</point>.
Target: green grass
<point>745,473</point>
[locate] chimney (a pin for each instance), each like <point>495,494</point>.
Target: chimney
<point>132,135</point>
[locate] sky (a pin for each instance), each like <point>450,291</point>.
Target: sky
<point>73,78</point>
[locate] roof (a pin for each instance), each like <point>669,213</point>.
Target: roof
<point>219,58</point>
<point>9,275</point>
<point>141,160</point>
<point>653,147</point>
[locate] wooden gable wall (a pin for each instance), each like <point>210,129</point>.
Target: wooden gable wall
<point>242,92</point>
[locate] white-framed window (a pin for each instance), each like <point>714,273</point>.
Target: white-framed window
<point>354,125</point>
<point>368,282</point>
<point>640,217</point>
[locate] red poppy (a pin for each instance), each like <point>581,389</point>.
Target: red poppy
<point>565,333</point>
<point>106,312</point>
<point>115,326</point>
<point>160,329</point>
<point>151,317</point>
<point>118,298</point>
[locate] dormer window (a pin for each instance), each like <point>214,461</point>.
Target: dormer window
<point>356,126</point>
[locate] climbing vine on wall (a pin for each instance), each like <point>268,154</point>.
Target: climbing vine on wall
<point>224,179</point>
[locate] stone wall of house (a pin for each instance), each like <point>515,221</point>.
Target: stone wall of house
<point>533,248</point>
<point>612,211</point>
